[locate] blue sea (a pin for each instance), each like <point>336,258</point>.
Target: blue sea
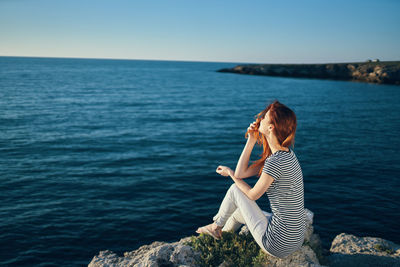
<point>100,154</point>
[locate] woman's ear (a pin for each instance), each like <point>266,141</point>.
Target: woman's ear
<point>271,128</point>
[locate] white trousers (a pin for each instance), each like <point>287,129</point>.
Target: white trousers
<point>237,209</point>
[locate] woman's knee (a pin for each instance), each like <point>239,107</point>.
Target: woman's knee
<point>235,190</point>
<point>233,187</point>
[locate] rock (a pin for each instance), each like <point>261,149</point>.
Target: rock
<point>345,250</point>
<point>372,72</point>
<point>350,250</point>
<point>179,254</point>
<point>351,67</point>
<point>156,254</point>
<point>310,253</point>
<point>305,257</point>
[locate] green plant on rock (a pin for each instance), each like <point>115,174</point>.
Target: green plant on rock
<point>234,249</point>
<point>260,260</point>
<point>383,248</point>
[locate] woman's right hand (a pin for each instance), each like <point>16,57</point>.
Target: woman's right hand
<point>252,131</point>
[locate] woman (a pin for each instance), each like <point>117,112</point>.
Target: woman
<point>281,232</point>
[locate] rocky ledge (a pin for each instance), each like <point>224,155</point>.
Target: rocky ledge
<point>345,250</point>
<point>383,72</point>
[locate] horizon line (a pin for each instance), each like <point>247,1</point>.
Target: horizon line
<point>199,61</point>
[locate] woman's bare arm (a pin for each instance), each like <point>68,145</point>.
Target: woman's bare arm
<point>254,193</point>
<point>242,168</point>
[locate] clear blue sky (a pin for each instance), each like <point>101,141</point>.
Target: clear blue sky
<point>260,31</point>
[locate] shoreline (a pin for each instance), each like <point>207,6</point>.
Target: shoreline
<point>381,72</point>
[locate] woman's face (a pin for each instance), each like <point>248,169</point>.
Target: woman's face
<point>264,124</point>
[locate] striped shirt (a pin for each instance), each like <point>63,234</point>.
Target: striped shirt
<point>287,225</point>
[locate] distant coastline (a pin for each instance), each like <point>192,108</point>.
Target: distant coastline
<point>380,72</point>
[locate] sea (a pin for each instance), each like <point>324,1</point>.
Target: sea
<point>102,154</point>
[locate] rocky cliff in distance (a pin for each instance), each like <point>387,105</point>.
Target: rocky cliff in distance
<point>384,72</point>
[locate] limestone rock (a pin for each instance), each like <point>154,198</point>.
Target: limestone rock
<point>386,72</point>
<point>345,250</point>
<point>154,255</point>
<point>179,254</point>
<point>350,250</point>
<point>304,257</point>
<point>310,253</point>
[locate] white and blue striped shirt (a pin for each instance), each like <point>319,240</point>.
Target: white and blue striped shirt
<point>287,225</point>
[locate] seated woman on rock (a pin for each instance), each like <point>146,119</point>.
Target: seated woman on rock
<point>281,232</point>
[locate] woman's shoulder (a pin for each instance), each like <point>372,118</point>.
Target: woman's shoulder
<point>274,158</point>
<point>282,156</point>
<point>280,153</point>
<point>284,153</point>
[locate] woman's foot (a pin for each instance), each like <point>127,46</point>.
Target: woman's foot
<point>211,229</point>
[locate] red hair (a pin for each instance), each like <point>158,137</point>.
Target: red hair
<point>284,120</point>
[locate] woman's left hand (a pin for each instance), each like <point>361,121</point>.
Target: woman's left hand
<point>224,171</point>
